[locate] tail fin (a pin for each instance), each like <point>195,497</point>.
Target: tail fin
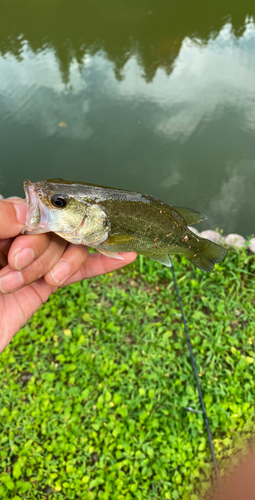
<point>207,254</point>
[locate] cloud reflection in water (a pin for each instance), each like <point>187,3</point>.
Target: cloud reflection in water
<point>211,86</point>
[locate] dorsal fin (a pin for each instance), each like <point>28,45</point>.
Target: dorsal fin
<point>189,215</point>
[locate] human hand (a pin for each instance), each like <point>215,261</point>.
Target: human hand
<point>32,267</point>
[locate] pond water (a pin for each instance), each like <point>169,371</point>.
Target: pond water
<point>152,96</point>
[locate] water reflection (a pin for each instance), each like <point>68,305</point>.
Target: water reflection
<point>154,30</point>
<point>179,118</point>
<point>235,201</point>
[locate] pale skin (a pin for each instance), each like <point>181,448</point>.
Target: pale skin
<point>47,262</point>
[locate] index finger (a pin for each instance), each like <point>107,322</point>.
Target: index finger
<point>98,264</point>
<point>12,217</point>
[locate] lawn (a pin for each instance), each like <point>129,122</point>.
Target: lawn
<point>94,388</point>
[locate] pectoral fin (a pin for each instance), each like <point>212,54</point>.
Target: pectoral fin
<point>121,239</point>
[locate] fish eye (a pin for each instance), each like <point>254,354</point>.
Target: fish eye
<point>58,201</point>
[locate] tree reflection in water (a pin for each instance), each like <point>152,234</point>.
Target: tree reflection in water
<point>154,31</point>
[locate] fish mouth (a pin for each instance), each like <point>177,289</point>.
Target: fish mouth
<point>37,214</point>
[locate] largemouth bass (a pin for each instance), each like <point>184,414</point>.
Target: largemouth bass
<point>115,220</point>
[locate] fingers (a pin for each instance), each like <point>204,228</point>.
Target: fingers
<point>26,249</point>
<point>97,264</point>
<point>4,249</point>
<point>70,263</point>
<point>19,307</point>
<point>13,280</point>
<point>3,260</point>
<point>12,220</point>
<point>59,262</point>
<point>12,217</point>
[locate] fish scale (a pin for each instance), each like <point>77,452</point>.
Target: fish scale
<point>115,220</point>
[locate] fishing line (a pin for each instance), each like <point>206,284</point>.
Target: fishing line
<point>191,353</point>
<point>196,376</point>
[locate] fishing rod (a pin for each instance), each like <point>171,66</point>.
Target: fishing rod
<point>196,376</point>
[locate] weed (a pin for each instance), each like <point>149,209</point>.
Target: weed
<point>95,387</point>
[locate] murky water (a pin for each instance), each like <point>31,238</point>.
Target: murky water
<point>157,97</point>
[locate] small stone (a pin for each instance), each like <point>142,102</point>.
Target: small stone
<point>235,240</point>
<point>213,236</point>
<point>62,124</point>
<point>1,197</point>
<point>252,245</point>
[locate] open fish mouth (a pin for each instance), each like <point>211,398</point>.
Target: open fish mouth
<point>37,214</point>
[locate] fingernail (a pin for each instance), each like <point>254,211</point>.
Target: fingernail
<point>15,198</point>
<point>23,258</point>
<point>11,282</point>
<point>60,272</point>
<point>21,212</point>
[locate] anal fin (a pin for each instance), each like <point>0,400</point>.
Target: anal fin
<point>163,259</point>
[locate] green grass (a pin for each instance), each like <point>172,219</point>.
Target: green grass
<point>94,388</point>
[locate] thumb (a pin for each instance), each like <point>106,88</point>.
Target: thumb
<point>12,217</point>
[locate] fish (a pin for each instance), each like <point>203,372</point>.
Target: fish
<point>113,221</point>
